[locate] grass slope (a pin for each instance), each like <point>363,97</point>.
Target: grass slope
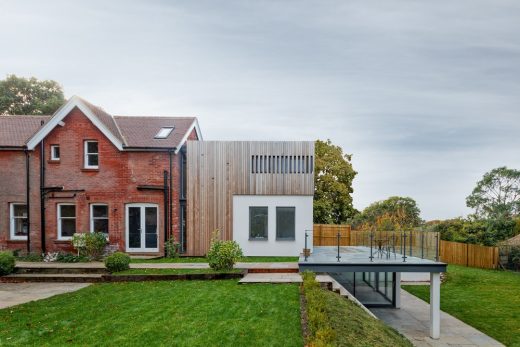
<point>205,260</point>
<point>333,320</point>
<point>177,313</point>
<point>488,300</point>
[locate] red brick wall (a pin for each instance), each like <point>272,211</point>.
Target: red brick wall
<point>115,183</point>
<point>13,190</point>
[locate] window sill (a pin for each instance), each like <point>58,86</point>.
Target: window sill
<point>53,161</point>
<point>277,239</point>
<point>252,239</point>
<point>16,240</point>
<point>64,241</point>
<point>90,169</point>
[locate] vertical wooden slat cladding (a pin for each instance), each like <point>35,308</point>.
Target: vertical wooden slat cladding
<point>217,170</point>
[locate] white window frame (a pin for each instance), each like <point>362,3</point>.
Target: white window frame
<point>164,132</point>
<point>12,217</point>
<point>53,157</point>
<point>59,218</point>
<point>92,218</point>
<point>86,154</point>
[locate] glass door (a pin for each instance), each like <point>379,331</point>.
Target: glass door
<point>142,228</point>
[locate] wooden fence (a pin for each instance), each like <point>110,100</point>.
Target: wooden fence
<point>417,243</point>
<point>469,255</point>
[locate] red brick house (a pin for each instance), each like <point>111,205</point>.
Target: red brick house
<point>83,169</point>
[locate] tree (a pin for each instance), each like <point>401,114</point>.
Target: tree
<point>497,194</point>
<point>333,178</point>
<point>396,212</point>
<point>31,96</point>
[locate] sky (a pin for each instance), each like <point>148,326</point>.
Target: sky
<point>424,94</point>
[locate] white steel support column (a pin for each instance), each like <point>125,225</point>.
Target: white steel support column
<point>435,305</point>
<point>397,290</point>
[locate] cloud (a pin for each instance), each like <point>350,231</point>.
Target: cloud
<point>424,94</point>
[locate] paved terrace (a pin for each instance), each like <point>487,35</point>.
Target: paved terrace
<point>357,258</point>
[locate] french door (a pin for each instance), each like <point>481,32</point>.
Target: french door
<point>142,222</point>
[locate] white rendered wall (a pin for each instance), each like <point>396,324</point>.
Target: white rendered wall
<point>272,247</point>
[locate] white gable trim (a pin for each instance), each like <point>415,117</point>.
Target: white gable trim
<point>194,125</point>
<point>62,112</point>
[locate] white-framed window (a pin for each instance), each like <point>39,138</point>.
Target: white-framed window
<point>91,155</point>
<point>55,152</point>
<point>19,224</point>
<point>99,218</point>
<point>66,221</point>
<point>164,132</point>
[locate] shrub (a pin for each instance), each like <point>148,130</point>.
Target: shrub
<point>7,262</point>
<point>91,245</point>
<point>514,257</point>
<point>222,255</point>
<point>71,258</point>
<point>320,332</point>
<point>118,261</point>
<point>30,257</point>
<point>95,245</point>
<point>172,248</point>
<point>51,257</point>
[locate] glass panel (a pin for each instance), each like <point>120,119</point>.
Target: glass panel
<point>151,227</point>
<point>67,210</point>
<point>20,210</point>
<point>257,222</point>
<point>101,226</point>
<point>183,227</point>
<point>134,227</point>
<point>92,147</point>
<point>20,227</point>
<point>68,227</point>
<point>93,160</point>
<point>285,223</point>
<point>100,211</point>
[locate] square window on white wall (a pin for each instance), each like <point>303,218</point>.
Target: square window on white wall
<point>285,223</point>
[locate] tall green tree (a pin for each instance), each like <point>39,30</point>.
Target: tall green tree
<point>394,212</point>
<point>497,194</point>
<point>333,178</point>
<point>29,96</point>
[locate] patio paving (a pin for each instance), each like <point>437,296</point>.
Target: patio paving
<point>413,321</point>
<point>12,294</point>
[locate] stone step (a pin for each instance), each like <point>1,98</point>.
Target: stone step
<point>269,270</point>
<point>59,270</point>
<point>84,278</point>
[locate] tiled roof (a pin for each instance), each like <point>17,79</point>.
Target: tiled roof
<point>105,118</point>
<point>15,130</point>
<point>137,132</point>
<point>141,131</point>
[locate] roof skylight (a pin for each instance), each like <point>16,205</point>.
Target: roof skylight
<point>164,132</point>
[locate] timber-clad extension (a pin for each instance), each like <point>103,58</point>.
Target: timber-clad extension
<point>219,170</point>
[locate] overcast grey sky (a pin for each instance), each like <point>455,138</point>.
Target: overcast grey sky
<point>424,94</point>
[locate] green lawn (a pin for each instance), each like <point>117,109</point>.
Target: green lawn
<point>172,271</point>
<point>488,300</point>
<point>174,313</point>
<point>205,260</point>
